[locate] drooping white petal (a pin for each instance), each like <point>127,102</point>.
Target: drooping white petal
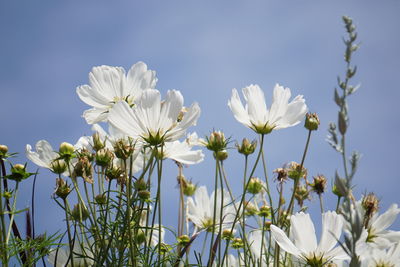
<point>284,242</point>
<point>181,152</point>
<point>44,154</point>
<point>95,115</point>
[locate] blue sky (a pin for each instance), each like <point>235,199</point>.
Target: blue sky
<point>204,49</point>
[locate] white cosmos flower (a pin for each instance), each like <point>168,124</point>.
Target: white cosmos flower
<point>255,240</point>
<point>378,235</point>
<point>304,245</point>
<point>153,120</point>
<point>201,210</point>
<point>108,85</point>
<point>388,257</point>
<point>258,117</point>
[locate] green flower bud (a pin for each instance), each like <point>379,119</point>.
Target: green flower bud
<point>189,188</point>
<point>104,157</point>
<point>97,142</point>
<point>114,173</point>
<point>140,237</point>
<point>140,184</point>
<point>62,188</point>
<point>221,155</point>
<point>246,148</point>
<point>79,212</point>
<point>58,166</point>
<point>296,171</point>
<point>301,194</point>
<point>237,243</point>
<point>144,195</point>
<point>3,151</point>
<point>216,141</point>
<point>265,211</point>
<point>66,150</point>
<point>312,121</point>
<point>18,173</point>
<point>7,194</point>
<point>255,186</point>
<point>183,240</point>
<point>250,209</point>
<point>101,199</point>
<point>267,225</point>
<point>227,234</point>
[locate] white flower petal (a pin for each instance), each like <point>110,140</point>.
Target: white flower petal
<point>44,154</point>
<point>122,117</point>
<point>284,242</point>
<point>256,106</point>
<point>95,115</point>
<point>332,224</point>
<point>238,110</point>
<point>386,219</point>
<point>303,232</point>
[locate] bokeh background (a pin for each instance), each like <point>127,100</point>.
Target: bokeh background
<point>204,49</point>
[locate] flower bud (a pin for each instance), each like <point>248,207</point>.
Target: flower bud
<point>79,212</point>
<point>140,184</point>
<point>18,173</point>
<point>97,142</point>
<point>104,157</point>
<point>237,243</point>
<point>265,211</point>
<point>58,166</point>
<point>3,150</point>
<point>114,173</point>
<point>101,199</point>
<point>7,194</point>
<point>83,168</point>
<point>255,186</point>
<point>216,141</point>
<point>183,240</point>
<point>221,155</point>
<point>140,237</point>
<point>296,171</point>
<point>66,150</point>
<point>246,148</point>
<point>319,184</point>
<point>62,188</point>
<point>189,188</point>
<point>144,195</point>
<point>227,234</point>
<point>312,121</point>
<point>301,194</point>
<point>250,209</point>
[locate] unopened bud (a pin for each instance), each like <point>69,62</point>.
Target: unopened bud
<point>250,209</point>
<point>3,150</point>
<point>265,211</point>
<point>296,171</point>
<point>140,184</point>
<point>114,173</point>
<point>101,199</point>
<point>227,234</point>
<point>104,157</point>
<point>246,148</point>
<point>7,194</point>
<point>301,194</point>
<point>216,141</point>
<point>267,225</point>
<point>189,188</point>
<point>237,243</point>
<point>18,173</point>
<point>66,150</point>
<point>80,212</point>
<point>97,142</point>
<point>255,186</point>
<point>183,240</point>
<point>144,195</point>
<point>62,188</point>
<point>221,155</point>
<point>140,237</point>
<point>58,166</point>
<point>312,121</point>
